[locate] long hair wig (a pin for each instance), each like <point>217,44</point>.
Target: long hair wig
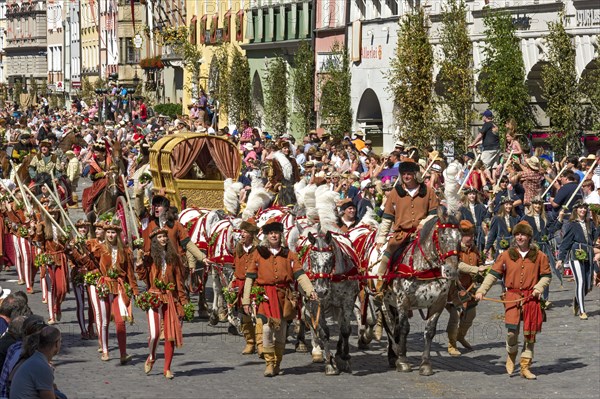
<point>160,253</point>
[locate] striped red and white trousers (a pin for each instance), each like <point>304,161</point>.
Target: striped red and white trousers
<point>155,320</point>
<point>103,308</point>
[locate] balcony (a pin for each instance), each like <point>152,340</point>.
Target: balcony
<point>170,57</point>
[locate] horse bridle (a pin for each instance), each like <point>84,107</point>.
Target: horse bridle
<point>436,241</point>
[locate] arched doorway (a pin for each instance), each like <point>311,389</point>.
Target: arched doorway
<point>370,118</point>
<point>258,100</point>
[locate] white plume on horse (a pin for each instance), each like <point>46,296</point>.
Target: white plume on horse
<point>369,219</point>
<point>286,166</point>
<point>299,191</point>
<point>259,198</point>
<point>451,187</point>
<point>231,196</point>
<point>326,208</point>
<point>310,202</point>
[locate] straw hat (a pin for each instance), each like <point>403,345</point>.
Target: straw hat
<point>533,162</point>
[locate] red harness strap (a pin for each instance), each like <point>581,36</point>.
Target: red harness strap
<point>406,271</point>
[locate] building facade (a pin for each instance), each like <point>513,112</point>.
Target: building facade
<point>26,43</point>
<point>132,18</point>
<point>331,17</point>
<point>90,50</point>
<point>213,24</point>
<point>372,39</point>
<point>55,46</point>
<point>3,33</point>
<point>168,82</point>
<point>275,29</point>
<point>73,80</point>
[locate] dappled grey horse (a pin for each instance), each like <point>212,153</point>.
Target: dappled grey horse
<point>421,279</point>
<point>329,263</point>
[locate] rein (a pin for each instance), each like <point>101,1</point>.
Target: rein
<point>314,322</point>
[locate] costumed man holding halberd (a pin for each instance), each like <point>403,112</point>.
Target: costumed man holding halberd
<point>408,206</point>
<point>526,273</point>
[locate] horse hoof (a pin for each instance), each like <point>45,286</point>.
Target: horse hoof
<point>213,320</point>
<point>362,344</point>
<point>232,330</point>
<point>203,314</point>
<point>343,365</point>
<point>402,367</point>
<point>330,370</point>
<point>318,358</point>
<point>425,370</point>
<point>301,347</point>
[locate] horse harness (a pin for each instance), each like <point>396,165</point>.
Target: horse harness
<point>407,270</point>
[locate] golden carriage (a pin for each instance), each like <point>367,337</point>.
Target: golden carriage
<point>193,167</point>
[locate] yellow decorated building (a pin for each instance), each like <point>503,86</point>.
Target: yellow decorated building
<point>214,25</point>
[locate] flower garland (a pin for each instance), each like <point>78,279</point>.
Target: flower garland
<point>581,255</point>
<point>188,311</point>
<point>128,290</point>
<point>112,273</point>
<point>258,295</point>
<point>213,238</point>
<point>102,290</point>
<point>230,295</point>
<point>23,231</point>
<point>91,278</point>
<point>138,243</point>
<point>145,178</point>
<point>148,300</point>
<point>504,243</point>
<point>42,260</point>
<point>303,251</point>
<point>164,286</point>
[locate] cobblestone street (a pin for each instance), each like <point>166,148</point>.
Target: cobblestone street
<point>567,361</point>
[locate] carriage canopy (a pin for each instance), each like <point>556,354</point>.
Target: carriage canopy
<point>194,166</point>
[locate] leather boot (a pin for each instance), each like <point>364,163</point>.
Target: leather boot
<point>270,360</point>
<point>258,334</point>
<point>525,372</point>
<point>452,349</point>
<point>248,331</point>
<point>460,337</point>
<point>378,330</point>
<point>278,357</point>
<point>510,362</point>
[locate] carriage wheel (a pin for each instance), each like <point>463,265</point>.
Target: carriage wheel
<point>129,229</point>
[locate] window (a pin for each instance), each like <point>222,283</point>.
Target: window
<point>133,54</point>
<point>393,6</point>
<point>361,8</point>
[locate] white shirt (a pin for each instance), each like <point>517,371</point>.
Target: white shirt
<point>592,198</point>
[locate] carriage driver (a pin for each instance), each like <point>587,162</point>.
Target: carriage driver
<point>408,207</point>
<point>526,273</point>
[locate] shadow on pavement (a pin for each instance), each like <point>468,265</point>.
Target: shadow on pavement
<point>559,366</point>
<point>204,371</point>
